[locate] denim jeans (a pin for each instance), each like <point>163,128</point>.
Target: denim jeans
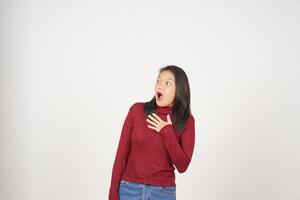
<point>136,191</point>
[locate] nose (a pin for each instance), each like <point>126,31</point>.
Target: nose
<point>160,86</point>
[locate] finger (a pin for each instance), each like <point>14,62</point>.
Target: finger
<point>151,122</point>
<point>151,127</point>
<point>169,119</point>
<point>156,116</point>
<point>153,119</point>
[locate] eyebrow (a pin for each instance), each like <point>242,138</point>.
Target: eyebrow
<point>168,79</point>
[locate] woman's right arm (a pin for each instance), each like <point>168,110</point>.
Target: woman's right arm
<point>121,155</point>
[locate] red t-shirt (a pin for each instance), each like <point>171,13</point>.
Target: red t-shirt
<point>146,156</point>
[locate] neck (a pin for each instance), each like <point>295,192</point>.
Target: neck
<point>164,109</point>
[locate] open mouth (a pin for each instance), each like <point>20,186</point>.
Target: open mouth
<point>160,96</point>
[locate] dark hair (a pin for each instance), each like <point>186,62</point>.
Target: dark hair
<point>181,108</point>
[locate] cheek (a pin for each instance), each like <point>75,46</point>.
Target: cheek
<point>171,94</point>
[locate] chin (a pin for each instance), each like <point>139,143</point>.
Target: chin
<point>162,104</point>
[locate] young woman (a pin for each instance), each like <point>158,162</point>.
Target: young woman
<point>156,136</point>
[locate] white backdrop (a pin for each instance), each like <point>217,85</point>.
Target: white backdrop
<point>71,69</point>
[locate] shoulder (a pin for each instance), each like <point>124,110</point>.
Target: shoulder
<point>190,122</point>
<point>137,106</point>
<point>136,109</point>
<point>189,127</point>
<point>191,118</point>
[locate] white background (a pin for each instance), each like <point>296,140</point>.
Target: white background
<point>71,69</point>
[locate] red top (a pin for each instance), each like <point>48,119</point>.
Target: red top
<point>146,156</point>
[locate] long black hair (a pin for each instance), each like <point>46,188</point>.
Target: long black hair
<point>181,108</point>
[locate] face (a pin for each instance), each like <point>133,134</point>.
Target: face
<point>165,89</point>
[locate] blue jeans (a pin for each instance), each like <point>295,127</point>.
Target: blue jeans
<point>136,191</point>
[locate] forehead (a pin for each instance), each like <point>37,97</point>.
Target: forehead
<point>167,75</point>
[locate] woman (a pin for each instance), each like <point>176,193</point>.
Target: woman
<point>156,136</point>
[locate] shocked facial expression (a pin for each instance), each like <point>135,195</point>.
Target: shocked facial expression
<point>165,89</point>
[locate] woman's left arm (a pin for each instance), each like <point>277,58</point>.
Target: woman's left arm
<point>180,151</point>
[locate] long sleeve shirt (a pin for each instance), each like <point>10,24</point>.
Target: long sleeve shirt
<point>147,156</point>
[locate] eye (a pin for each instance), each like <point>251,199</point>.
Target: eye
<point>168,83</point>
<point>157,81</point>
